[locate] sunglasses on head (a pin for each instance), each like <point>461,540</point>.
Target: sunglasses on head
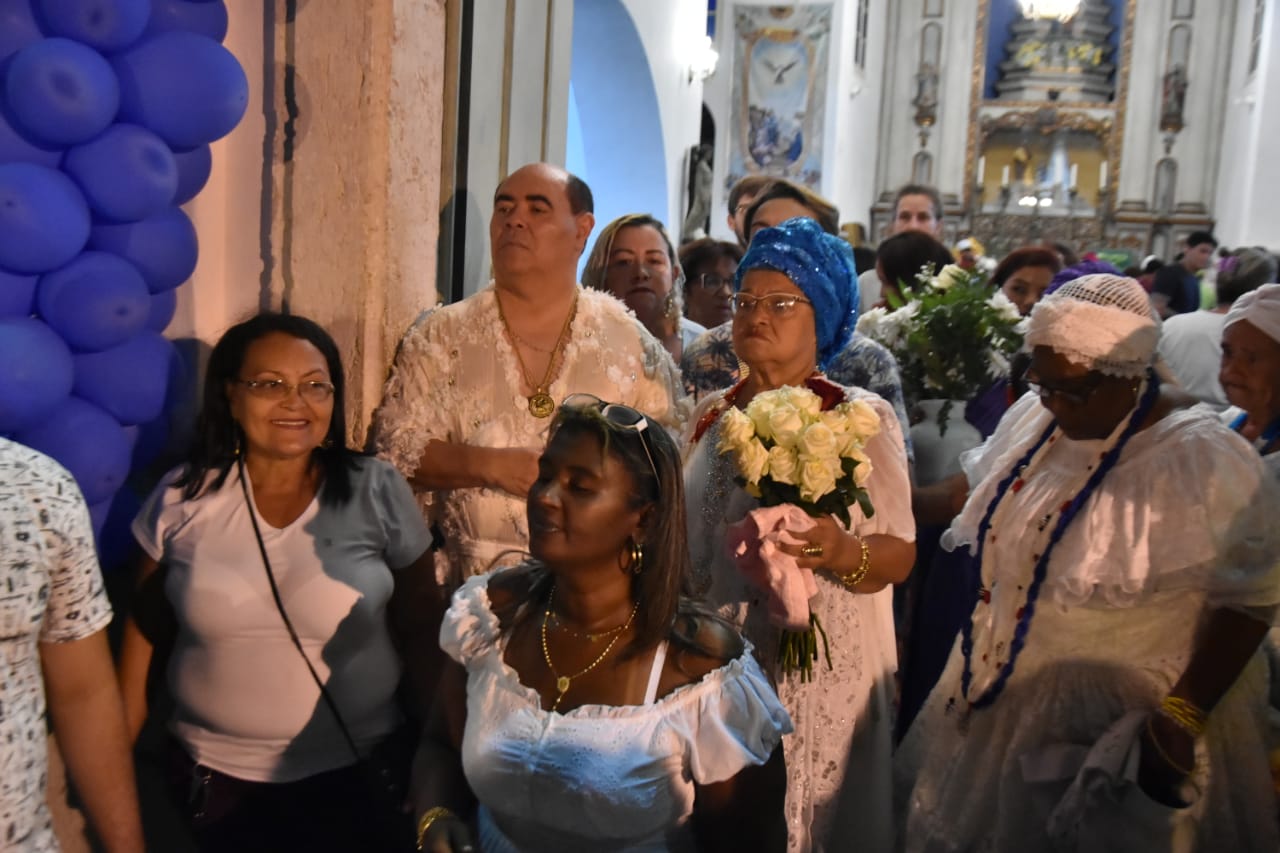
<point>618,416</point>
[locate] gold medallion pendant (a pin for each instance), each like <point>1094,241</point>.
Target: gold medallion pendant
<point>541,405</point>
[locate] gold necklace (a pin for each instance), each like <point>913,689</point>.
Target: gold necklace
<point>557,621</point>
<point>563,681</point>
<point>541,404</point>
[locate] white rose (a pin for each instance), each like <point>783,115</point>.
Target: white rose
<point>783,465</point>
<point>785,424</point>
<point>818,440</point>
<point>862,418</point>
<point>1004,307</point>
<point>752,460</point>
<point>947,277</point>
<point>736,429</point>
<point>759,409</point>
<point>816,479</point>
<point>805,401</point>
<point>862,472</point>
<point>870,322</point>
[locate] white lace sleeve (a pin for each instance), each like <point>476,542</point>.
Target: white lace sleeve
<point>890,483</point>
<point>660,391</point>
<point>409,415</point>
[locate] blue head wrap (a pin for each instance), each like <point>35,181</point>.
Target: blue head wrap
<point>820,265</point>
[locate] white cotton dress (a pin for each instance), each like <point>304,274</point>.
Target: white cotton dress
<point>1184,522</point>
<point>599,777</point>
<point>838,760</point>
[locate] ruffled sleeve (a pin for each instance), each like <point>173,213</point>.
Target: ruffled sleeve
<point>736,721</point>
<point>470,629</point>
<point>410,414</point>
<point>890,482</point>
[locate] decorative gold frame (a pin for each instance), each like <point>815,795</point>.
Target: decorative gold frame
<point>1069,113</point>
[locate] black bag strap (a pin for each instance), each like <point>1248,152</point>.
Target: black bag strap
<point>288,624</point>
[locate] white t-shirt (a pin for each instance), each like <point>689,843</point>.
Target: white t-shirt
<point>1191,344</point>
<point>245,703</point>
<point>52,593</point>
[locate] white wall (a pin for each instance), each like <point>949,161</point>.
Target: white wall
<point>1249,172</point>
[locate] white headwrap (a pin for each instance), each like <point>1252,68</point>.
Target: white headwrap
<point>1260,307</point>
<point>1100,322</point>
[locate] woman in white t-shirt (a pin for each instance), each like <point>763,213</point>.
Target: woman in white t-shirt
<point>273,543</point>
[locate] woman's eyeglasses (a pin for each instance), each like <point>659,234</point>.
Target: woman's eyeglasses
<point>777,304</point>
<point>615,415</point>
<point>313,391</point>
<point>712,281</point>
<point>1076,395</point>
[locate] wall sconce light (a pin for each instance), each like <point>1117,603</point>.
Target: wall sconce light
<point>704,60</point>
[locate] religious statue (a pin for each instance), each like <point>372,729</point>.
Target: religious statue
<point>1174,96</point>
<point>1022,171</point>
<point>926,99</point>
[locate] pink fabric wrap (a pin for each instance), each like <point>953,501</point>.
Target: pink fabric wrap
<point>753,544</point>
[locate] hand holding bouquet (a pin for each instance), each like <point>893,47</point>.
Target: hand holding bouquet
<point>791,453</point>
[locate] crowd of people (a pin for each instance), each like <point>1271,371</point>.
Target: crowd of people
<point>514,622</point>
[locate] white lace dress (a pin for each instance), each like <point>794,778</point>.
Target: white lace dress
<point>838,759</point>
<point>1183,522</point>
<point>598,777</point>
<point>456,379</point>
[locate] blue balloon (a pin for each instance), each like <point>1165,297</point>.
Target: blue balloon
<point>126,174</point>
<point>17,294</point>
<point>163,247</point>
<point>128,381</point>
<point>163,306</point>
<point>87,442</point>
<point>194,167</point>
<point>18,27</point>
<point>186,87</point>
<point>207,19</point>
<point>59,92</point>
<point>44,220</point>
<point>16,148</point>
<point>111,522</point>
<point>107,25</point>
<point>95,302</point>
<point>35,372</point>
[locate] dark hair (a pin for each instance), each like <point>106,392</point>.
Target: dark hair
<point>217,435</point>
<point>1195,238</point>
<point>705,252</point>
<point>580,198</point>
<point>1027,256</point>
<point>901,256</point>
<point>1242,271</point>
<point>935,198</point>
<point>750,185</point>
<point>665,612</point>
<point>1152,265</point>
<point>864,258</point>
<point>824,212</point>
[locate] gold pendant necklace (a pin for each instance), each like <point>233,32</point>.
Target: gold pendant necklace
<point>563,681</point>
<point>541,404</point>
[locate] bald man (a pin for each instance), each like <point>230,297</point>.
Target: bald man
<point>466,411</point>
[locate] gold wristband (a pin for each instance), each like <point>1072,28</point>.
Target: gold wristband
<point>1186,715</point>
<point>429,817</point>
<point>859,574</point>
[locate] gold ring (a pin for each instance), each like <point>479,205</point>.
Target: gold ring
<point>813,549</point>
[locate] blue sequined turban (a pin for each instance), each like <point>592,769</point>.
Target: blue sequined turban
<point>820,265</point>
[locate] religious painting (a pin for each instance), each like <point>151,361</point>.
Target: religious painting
<point>779,92</point>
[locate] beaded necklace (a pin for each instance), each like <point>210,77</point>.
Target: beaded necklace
<point>1011,484</point>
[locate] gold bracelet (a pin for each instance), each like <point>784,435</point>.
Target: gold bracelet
<point>859,574</point>
<point>1187,715</point>
<point>429,817</point>
<point>1155,741</point>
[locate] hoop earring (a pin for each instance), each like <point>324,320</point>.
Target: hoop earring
<point>636,562</point>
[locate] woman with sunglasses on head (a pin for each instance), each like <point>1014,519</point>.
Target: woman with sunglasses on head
<point>593,706</point>
<point>1106,692</point>
<point>280,555</point>
<point>795,308</point>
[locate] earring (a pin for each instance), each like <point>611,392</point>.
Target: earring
<point>636,563</point>
<point>236,450</point>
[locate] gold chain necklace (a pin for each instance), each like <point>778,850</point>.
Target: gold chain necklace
<point>563,681</point>
<point>541,404</point>
<point>557,621</point>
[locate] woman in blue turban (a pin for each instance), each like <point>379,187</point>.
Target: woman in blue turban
<point>795,307</point>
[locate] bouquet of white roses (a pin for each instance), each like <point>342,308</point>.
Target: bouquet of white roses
<point>789,452</point>
<point>952,339</point>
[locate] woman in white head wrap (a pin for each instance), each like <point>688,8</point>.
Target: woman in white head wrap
<point>1250,373</point>
<point>1106,693</point>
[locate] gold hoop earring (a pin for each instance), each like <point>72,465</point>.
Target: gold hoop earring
<point>636,553</point>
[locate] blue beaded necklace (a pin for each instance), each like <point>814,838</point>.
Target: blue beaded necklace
<point>1269,435</point>
<point>1069,511</point>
